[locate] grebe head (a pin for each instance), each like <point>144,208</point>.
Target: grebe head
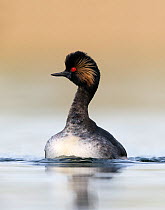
<point>81,69</point>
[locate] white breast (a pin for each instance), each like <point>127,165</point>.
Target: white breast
<point>70,146</point>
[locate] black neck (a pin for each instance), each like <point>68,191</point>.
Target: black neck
<point>78,113</point>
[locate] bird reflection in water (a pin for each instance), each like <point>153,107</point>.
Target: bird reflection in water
<point>80,180</point>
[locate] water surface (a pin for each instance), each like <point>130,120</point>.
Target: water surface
<point>75,183</point>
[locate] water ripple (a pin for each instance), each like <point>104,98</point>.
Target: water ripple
<point>82,162</point>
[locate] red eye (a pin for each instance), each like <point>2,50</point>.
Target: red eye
<point>73,69</point>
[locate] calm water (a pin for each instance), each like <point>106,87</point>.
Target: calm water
<point>28,181</point>
<point>81,184</point>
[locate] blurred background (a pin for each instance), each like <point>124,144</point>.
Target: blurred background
<point>125,38</point>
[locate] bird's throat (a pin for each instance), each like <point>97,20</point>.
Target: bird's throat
<point>78,113</point>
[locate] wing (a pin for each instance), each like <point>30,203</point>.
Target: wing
<point>109,137</point>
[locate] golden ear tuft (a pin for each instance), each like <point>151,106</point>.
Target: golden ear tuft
<point>85,71</point>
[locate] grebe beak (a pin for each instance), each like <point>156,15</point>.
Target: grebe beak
<point>62,74</point>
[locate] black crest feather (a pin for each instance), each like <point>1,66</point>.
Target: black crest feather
<point>87,70</point>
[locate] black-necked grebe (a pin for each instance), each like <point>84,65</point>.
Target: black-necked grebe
<point>81,137</point>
